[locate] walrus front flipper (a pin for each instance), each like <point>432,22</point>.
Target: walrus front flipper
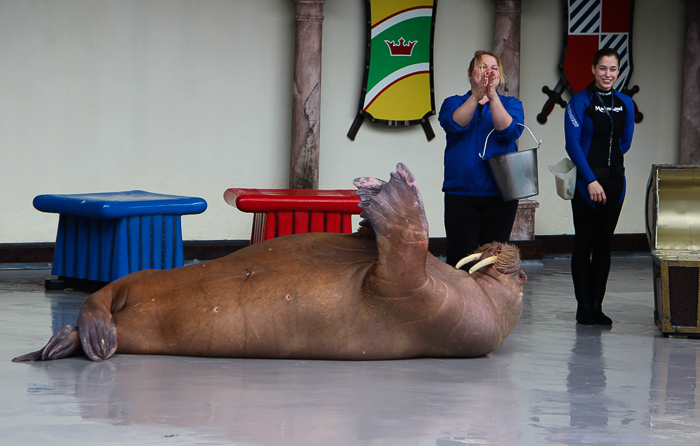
<point>393,206</point>
<point>395,212</point>
<point>63,344</point>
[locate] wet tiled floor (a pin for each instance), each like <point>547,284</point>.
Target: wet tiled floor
<point>551,382</point>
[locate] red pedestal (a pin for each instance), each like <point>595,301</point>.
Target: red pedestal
<point>281,212</point>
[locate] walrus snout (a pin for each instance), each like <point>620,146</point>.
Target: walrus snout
<point>505,258</point>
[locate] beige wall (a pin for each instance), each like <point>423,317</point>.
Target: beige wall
<point>192,98</point>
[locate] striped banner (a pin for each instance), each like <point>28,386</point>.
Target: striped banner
<point>595,24</point>
<point>398,77</point>
<point>590,26</point>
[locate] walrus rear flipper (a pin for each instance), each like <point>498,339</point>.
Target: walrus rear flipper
<point>98,334</point>
<point>63,344</point>
<point>95,335</point>
<point>395,212</point>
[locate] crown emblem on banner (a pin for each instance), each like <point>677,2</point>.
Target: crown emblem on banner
<point>403,48</point>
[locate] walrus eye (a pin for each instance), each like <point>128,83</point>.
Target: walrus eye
<point>467,259</point>
<point>522,276</point>
<point>487,261</point>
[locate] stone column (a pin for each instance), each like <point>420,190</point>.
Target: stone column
<point>689,151</point>
<point>524,224</point>
<point>306,103</point>
<point>507,43</point>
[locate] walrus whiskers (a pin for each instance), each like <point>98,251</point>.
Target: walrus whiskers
<point>508,256</point>
<point>487,261</point>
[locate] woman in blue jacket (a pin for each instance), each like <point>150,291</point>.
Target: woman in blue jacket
<point>598,125</point>
<point>475,212</point>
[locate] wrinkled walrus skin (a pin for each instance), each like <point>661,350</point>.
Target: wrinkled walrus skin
<point>374,294</point>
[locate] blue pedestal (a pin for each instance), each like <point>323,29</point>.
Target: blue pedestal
<point>104,236</point>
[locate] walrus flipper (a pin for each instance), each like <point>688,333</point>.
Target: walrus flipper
<point>95,335</point>
<point>395,207</point>
<point>98,334</point>
<point>63,343</point>
<point>396,213</point>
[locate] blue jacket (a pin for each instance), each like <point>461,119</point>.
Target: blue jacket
<point>578,130</point>
<point>465,172</point>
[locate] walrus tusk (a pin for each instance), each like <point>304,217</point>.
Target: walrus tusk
<point>467,259</point>
<point>487,261</point>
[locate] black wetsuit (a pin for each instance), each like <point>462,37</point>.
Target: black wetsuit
<point>594,223</point>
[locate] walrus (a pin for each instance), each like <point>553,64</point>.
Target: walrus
<point>374,294</point>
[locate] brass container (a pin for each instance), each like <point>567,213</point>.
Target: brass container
<point>673,231</point>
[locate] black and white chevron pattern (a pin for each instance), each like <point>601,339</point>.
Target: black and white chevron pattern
<point>620,42</point>
<point>585,19</point>
<point>584,16</point>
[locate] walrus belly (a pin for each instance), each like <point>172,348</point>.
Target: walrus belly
<point>279,304</point>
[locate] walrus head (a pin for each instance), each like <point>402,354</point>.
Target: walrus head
<point>504,257</point>
<point>498,271</point>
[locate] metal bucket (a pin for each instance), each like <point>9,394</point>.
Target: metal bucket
<point>515,173</point>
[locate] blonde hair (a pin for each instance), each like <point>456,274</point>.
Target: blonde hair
<point>476,62</point>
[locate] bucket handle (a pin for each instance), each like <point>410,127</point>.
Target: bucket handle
<point>481,155</point>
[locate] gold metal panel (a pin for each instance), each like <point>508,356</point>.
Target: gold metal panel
<point>666,326</point>
<point>673,208</point>
<point>678,256</point>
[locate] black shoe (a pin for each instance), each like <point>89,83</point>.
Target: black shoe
<point>600,318</point>
<point>597,312</point>
<point>584,315</point>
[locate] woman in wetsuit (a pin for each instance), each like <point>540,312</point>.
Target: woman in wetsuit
<point>598,126</point>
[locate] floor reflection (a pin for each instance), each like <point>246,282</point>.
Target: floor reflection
<point>297,402</point>
<point>586,379</point>
<point>674,390</point>
<point>64,307</point>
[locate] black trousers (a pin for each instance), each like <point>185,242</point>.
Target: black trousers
<point>594,228</point>
<point>473,221</point>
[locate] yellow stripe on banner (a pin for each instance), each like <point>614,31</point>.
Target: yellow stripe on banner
<point>381,9</point>
<point>406,100</point>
